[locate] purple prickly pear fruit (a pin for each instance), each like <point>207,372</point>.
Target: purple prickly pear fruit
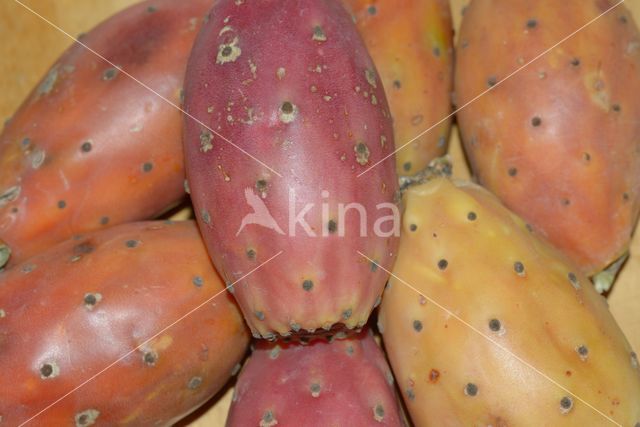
<point>303,131</point>
<point>342,382</point>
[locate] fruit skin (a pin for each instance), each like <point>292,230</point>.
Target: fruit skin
<point>83,304</point>
<point>576,175</point>
<point>320,384</point>
<point>411,43</point>
<point>544,311</point>
<point>90,146</point>
<point>319,121</point>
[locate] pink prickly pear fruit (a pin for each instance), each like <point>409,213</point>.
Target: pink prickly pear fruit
<point>303,131</point>
<point>122,300</point>
<point>558,142</point>
<point>91,146</point>
<point>538,345</point>
<point>411,43</point>
<point>340,382</point>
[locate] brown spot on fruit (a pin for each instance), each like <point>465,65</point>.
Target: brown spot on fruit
<point>417,325</point>
<point>259,315</point>
<point>318,34</point>
<point>268,419</point>
<point>471,389</point>
<point>206,216</point>
<point>512,171</point>
<point>491,81</point>
<point>332,226</point>
<point>86,418</point>
<point>532,23</point>
<point>378,413</point>
<point>91,299</point>
<point>362,153</point>
<point>307,285</point>
<point>10,195</point>
<point>132,243</point>
<point>413,227</point>
<point>434,376</point>
<point>261,186</point>
<point>228,52</point>
<point>275,352</point>
<point>575,62</point>
<point>49,82</point>
<point>417,119</point>
<point>472,216</point>
<point>410,394</point>
<point>566,404</point>
<point>205,140</point>
<point>495,325</point>
<point>110,74</point>
<point>150,358</point>
<point>86,146</point>
<point>370,75</point>
<point>573,279</point>
<point>194,383</point>
<point>49,370</point>
<point>518,267</point>
<point>315,389</point>
<point>536,121</point>
<point>288,112</point>
<point>251,254</point>
<point>147,167</point>
<point>443,264</point>
<point>62,204</point>
<point>197,281</point>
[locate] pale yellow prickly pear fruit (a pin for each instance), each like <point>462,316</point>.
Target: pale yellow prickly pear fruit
<point>503,331</point>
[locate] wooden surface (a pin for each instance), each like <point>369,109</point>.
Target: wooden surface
<point>28,46</point>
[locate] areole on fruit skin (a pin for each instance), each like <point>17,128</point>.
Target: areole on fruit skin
<point>318,121</point>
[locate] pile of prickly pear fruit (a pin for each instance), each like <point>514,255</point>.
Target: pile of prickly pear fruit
<point>192,173</point>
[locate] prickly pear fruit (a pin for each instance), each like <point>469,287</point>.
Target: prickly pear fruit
<point>411,43</point>
<point>538,345</point>
<point>311,126</point>
<point>341,382</point>
<point>84,305</point>
<point>91,146</point>
<point>558,142</point>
